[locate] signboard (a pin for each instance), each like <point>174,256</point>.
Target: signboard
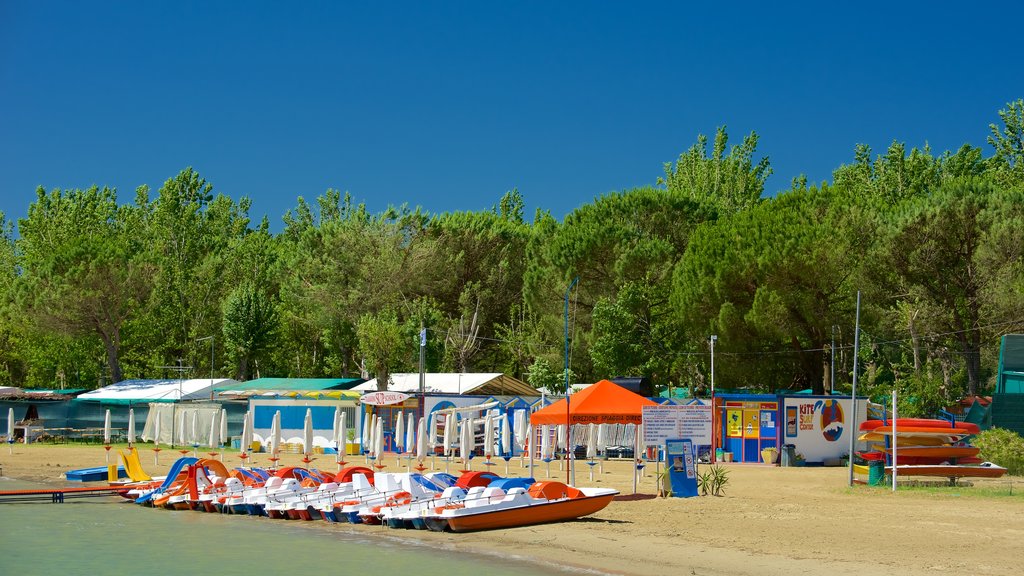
<point>819,427</point>
<point>664,422</point>
<point>383,398</point>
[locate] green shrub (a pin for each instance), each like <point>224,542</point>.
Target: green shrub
<point>1003,447</point>
<point>713,480</point>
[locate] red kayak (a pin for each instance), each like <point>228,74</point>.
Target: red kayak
<point>943,425</point>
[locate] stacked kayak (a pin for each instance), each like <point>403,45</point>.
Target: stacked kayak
<point>927,447</point>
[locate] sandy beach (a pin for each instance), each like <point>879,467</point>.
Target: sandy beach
<point>770,521</point>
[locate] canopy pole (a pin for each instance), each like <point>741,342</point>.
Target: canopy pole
<point>853,390</point>
<point>568,423</point>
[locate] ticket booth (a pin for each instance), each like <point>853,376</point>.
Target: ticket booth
<point>749,424</point>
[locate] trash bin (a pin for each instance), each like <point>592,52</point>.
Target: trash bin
<point>876,472</point>
<point>719,454</point>
<point>788,455</point>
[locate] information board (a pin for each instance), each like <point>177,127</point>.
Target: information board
<point>663,422</point>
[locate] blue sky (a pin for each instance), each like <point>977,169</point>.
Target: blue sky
<point>448,105</point>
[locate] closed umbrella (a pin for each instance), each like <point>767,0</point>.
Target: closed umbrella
<point>156,439</point>
<point>364,434</point>
<point>246,432</point>
<point>106,432</point>
<point>421,440</point>
<point>399,439</point>
<point>506,440</point>
<point>182,440</point>
<point>602,441</point>
<point>410,433</point>
<point>449,435</point>
<point>131,427</point>
<point>343,436</point>
<point>638,448</point>
<point>522,427</point>
<point>591,440</point>
<point>465,440</point>
<point>106,426</point>
<point>10,429</point>
<point>195,432</point>
<point>275,436</point>
<point>506,437</point>
<point>378,440</point>
<point>489,435</point>
<point>214,434</point>
<point>307,435</point>
<point>223,436</point>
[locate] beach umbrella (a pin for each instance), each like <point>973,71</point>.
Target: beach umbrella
<point>432,435</point>
<point>10,429</point>
<point>156,439</point>
<point>223,436</point>
<point>399,440</point>
<point>378,438</point>
<point>131,427</point>
<point>591,440</point>
<point>106,433</point>
<point>364,434</point>
<point>195,428</point>
<point>214,433</point>
<point>602,441</point>
<point>106,426</point>
<point>489,435</point>
<point>421,440</point>
<point>275,435</point>
<point>246,432</point>
<point>464,439</point>
<point>545,446</point>
<point>343,435</point>
<point>522,427</point>
<point>181,429</point>
<point>410,433</point>
<point>506,437</point>
<point>307,434</point>
<point>449,435</point>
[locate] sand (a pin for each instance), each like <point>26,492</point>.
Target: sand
<point>771,521</point>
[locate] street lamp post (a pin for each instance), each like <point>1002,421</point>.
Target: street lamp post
<point>714,409</point>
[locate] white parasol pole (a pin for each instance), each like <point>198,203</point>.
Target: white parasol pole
<point>106,432</point>
<point>531,447</point>
<point>636,443</point>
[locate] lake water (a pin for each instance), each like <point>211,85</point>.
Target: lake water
<point>112,536</point>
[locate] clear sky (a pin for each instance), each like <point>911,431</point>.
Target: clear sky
<point>447,105</point>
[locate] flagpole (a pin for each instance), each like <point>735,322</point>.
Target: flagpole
<point>853,391</point>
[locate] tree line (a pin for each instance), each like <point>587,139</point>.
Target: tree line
<point>95,289</point>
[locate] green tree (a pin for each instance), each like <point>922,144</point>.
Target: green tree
<point>730,181</point>
<point>82,270</point>
<point>250,326</point>
<point>383,344</point>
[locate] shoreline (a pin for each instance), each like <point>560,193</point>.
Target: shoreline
<point>771,521</point>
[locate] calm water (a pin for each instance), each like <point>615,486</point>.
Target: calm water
<point>101,536</point>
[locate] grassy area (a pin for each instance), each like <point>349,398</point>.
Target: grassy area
<point>1011,487</point>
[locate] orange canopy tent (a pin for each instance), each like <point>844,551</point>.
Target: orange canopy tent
<point>601,403</point>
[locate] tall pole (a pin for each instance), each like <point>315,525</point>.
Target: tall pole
<point>714,410</point>
<point>832,361</point>
<point>852,424</point>
<point>568,424</point>
<point>423,364</point>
